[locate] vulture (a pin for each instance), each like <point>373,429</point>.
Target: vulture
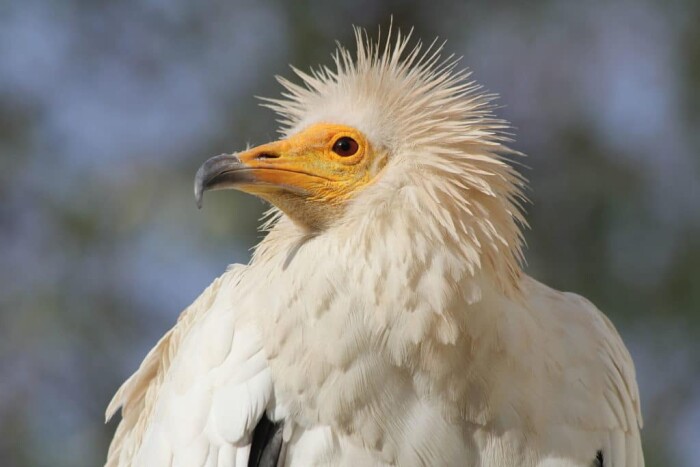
<point>385,318</point>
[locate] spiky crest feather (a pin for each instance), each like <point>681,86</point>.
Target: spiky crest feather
<point>437,128</point>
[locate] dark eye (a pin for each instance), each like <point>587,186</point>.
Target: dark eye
<point>345,146</point>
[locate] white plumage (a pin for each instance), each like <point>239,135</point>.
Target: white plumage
<point>386,321</point>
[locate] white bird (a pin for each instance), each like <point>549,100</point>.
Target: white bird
<point>385,319</point>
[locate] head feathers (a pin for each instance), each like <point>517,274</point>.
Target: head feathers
<point>445,148</point>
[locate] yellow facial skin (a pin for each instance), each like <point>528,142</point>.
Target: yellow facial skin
<point>308,175</point>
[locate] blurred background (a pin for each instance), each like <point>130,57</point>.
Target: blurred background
<point>108,108</point>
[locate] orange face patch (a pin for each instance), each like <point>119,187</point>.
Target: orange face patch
<point>325,162</point>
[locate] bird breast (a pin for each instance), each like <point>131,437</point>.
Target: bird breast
<point>349,328</point>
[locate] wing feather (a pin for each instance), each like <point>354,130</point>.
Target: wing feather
<point>622,446</point>
<point>199,393</point>
<point>591,382</point>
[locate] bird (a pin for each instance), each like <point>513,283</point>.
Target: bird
<point>385,319</point>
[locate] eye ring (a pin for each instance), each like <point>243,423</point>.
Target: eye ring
<point>345,146</point>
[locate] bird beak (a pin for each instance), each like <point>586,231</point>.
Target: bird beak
<point>218,173</point>
<point>264,171</point>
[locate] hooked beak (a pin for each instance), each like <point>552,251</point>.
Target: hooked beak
<point>266,171</point>
<point>218,173</point>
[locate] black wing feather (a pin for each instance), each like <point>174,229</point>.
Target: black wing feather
<point>599,462</point>
<point>266,449</point>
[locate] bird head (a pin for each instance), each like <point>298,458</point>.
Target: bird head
<point>390,132</point>
<point>310,175</point>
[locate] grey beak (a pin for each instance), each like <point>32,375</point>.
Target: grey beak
<point>218,173</point>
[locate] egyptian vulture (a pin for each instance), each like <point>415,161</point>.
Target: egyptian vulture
<point>385,319</point>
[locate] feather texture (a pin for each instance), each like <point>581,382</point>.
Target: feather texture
<point>199,393</point>
<point>404,334</point>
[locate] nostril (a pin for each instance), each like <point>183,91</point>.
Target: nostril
<point>267,155</point>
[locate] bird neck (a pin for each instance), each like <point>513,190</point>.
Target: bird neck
<point>417,220</point>
<point>405,235</point>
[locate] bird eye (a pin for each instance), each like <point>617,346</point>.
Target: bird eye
<point>345,146</point>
